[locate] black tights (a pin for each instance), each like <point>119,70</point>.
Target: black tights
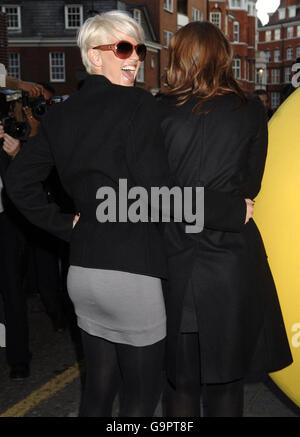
<point>111,367</point>
<point>222,400</point>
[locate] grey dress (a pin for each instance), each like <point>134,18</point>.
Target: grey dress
<point>118,306</point>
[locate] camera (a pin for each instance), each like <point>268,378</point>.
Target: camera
<point>16,129</point>
<point>39,105</point>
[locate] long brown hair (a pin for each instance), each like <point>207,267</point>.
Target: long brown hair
<point>200,65</point>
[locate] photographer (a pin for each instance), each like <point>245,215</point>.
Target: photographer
<point>22,241</point>
<point>12,242</point>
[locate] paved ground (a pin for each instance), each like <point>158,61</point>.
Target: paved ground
<point>55,385</point>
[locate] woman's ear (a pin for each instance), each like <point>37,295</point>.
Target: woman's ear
<point>95,58</point>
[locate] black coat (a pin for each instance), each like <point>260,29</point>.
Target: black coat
<point>101,134</point>
<point>238,313</point>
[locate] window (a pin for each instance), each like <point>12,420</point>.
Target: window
<point>236,31</point>
<point>73,16</point>
<point>268,35</point>
<point>281,14</point>
<point>152,62</point>
<point>298,52</point>
<point>292,11</point>
<point>268,55</point>
<point>215,18</point>
<point>137,15</point>
<point>14,65</point>
<point>275,76</point>
<point>287,75</point>
<point>167,37</point>
<point>236,3</point>
<point>275,100</point>
<point>277,34</point>
<point>13,16</point>
<point>289,53</point>
<point>57,67</point>
<point>140,77</point>
<point>290,32</point>
<point>236,68</point>
<point>197,15</point>
<point>298,31</point>
<point>277,55</point>
<point>168,5</point>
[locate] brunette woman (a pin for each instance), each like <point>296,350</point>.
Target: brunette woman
<point>223,315</point>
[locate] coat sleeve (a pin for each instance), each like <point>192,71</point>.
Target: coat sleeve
<point>24,184</point>
<point>257,153</point>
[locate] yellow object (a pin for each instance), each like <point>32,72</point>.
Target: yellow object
<point>277,214</point>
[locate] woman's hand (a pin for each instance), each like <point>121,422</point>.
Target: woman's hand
<point>250,209</point>
<point>76,218</point>
<point>10,145</point>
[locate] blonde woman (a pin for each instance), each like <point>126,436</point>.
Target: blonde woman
<point>106,131</point>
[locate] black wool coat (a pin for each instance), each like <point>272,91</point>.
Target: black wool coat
<point>103,133</point>
<point>238,314</point>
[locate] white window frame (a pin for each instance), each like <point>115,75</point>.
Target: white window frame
<point>298,52</point>
<point>236,31</point>
<point>287,74</point>
<point>236,3</point>
<point>167,37</point>
<point>275,99</point>
<point>290,32</point>
<point>197,15</point>
<point>67,14</point>
<point>14,65</point>
<point>169,5</point>
<point>292,11</point>
<point>268,55</point>
<point>217,22</point>
<point>236,68</point>
<point>275,76</point>
<point>277,34</point>
<point>140,77</point>
<point>277,55</point>
<point>18,7</point>
<point>268,35</point>
<point>289,53</point>
<point>62,66</point>
<point>137,15</point>
<point>298,31</point>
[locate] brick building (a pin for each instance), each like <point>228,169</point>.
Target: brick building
<point>3,39</point>
<point>42,40</point>
<point>280,40</point>
<point>238,21</point>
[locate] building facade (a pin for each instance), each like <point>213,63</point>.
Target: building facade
<point>280,41</point>
<point>238,21</point>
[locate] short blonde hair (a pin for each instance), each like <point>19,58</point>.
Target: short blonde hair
<point>98,29</point>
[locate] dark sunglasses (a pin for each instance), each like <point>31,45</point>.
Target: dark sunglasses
<point>124,49</point>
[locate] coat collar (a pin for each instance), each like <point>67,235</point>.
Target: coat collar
<point>96,79</point>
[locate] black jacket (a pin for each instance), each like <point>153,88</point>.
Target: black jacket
<point>238,313</point>
<point>101,134</point>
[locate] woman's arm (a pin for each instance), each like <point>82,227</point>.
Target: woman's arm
<point>257,152</point>
<point>23,182</point>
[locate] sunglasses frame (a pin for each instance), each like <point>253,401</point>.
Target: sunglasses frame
<point>113,47</point>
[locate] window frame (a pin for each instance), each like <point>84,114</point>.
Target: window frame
<point>67,7</point>
<point>9,69</point>
<point>18,7</point>
<point>52,79</point>
<point>169,6</point>
<point>236,68</point>
<point>236,32</point>
<point>219,14</point>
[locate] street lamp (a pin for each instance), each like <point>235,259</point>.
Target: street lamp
<point>261,75</point>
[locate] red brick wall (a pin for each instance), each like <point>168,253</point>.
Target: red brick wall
<point>3,40</point>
